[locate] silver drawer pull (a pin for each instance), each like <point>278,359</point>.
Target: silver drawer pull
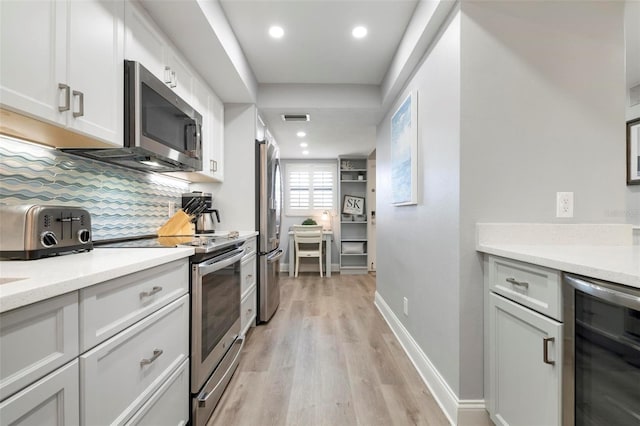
<point>154,290</point>
<point>518,283</point>
<point>156,354</point>
<point>545,350</point>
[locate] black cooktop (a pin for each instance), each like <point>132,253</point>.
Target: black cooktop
<point>204,243</point>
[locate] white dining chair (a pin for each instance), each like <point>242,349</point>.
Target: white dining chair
<point>308,239</point>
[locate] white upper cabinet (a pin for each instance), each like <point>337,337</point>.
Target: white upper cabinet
<point>143,42</point>
<point>30,61</point>
<point>63,63</point>
<point>216,162</point>
<point>96,68</point>
<point>146,43</point>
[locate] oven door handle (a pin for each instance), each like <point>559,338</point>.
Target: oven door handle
<point>276,256</point>
<point>210,266</point>
<point>629,300</point>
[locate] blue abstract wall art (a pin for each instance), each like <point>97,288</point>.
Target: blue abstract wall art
<point>404,153</point>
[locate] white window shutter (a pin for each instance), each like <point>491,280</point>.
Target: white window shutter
<point>310,188</point>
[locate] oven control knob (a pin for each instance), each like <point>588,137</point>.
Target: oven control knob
<point>84,236</point>
<point>48,239</point>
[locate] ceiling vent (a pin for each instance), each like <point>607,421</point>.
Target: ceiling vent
<point>296,117</point>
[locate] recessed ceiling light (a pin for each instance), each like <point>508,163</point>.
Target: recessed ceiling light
<point>301,134</point>
<point>359,32</point>
<point>305,152</point>
<point>276,31</point>
<point>304,144</point>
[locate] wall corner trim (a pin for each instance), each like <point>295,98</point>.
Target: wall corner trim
<point>459,412</point>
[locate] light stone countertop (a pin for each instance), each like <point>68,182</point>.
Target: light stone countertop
<point>603,252</point>
<point>618,264</point>
<point>23,282</point>
<point>52,276</point>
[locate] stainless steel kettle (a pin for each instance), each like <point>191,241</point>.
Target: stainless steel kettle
<point>201,202</point>
<point>205,224</point>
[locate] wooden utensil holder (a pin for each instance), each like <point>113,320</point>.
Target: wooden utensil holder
<point>178,224</point>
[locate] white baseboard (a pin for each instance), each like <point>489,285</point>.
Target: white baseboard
<point>459,412</point>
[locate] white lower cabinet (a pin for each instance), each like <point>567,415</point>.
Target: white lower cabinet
<point>525,365</point>
<point>137,370</point>
<point>119,375</point>
<point>248,297</point>
<point>114,305</point>
<point>166,406</point>
<point>52,400</point>
<point>35,340</point>
<point>248,311</point>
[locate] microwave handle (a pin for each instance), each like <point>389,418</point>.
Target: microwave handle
<point>194,144</point>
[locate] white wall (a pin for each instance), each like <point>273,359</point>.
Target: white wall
<point>235,197</point>
<point>632,40</point>
<point>418,246</point>
<point>517,100</point>
<point>542,106</point>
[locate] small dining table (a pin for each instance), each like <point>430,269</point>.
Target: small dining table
<point>327,237</point>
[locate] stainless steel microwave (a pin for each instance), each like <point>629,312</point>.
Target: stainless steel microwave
<point>162,133</point>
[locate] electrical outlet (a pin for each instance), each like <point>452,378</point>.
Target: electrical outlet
<point>564,204</point>
<point>406,306</point>
<point>171,208</point>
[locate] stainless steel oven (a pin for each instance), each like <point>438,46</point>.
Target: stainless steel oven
<point>215,327</point>
<point>601,383</point>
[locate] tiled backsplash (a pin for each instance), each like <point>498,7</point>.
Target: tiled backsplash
<point>122,202</point>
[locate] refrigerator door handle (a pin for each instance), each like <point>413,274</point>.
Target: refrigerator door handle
<point>275,256</point>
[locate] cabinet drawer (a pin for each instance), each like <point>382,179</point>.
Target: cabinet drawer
<point>37,339</point>
<point>53,400</point>
<point>248,311</point>
<point>530,285</point>
<point>170,404</point>
<point>110,307</point>
<point>248,278</point>
<point>118,376</point>
<point>250,246</point>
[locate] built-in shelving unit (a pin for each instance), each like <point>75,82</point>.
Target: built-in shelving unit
<point>353,227</point>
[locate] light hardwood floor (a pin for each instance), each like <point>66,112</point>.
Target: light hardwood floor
<point>327,357</point>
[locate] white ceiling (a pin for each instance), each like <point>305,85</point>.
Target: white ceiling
<point>316,68</point>
<point>318,49</point>
<point>318,46</point>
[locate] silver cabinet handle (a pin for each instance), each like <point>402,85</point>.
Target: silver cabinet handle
<point>249,276</point>
<point>215,165</point>
<point>67,97</point>
<point>156,354</point>
<point>154,290</point>
<point>545,350</point>
<point>80,96</point>
<point>518,283</point>
<point>167,75</point>
<point>174,80</point>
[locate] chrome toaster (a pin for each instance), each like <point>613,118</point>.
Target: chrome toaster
<point>35,231</point>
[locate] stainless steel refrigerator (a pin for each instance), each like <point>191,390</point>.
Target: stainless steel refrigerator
<point>268,221</point>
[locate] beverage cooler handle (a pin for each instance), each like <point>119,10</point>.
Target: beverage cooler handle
<point>602,291</point>
<point>276,256</point>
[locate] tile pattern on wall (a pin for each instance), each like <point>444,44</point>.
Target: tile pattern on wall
<point>122,202</point>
